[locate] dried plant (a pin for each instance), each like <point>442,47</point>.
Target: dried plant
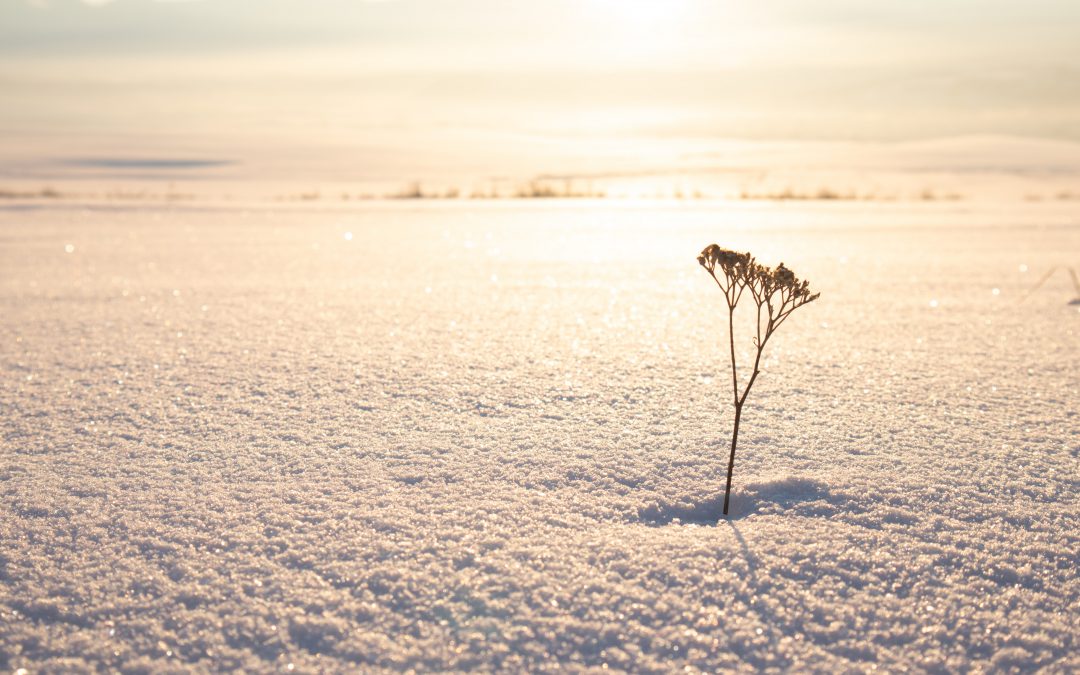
<point>776,292</point>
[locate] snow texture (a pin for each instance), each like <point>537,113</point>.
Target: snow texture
<point>494,437</point>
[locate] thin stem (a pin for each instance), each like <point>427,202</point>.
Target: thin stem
<point>731,340</point>
<point>731,458</point>
<point>757,325</point>
<point>757,362</point>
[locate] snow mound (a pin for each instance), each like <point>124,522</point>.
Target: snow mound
<point>705,512</point>
<point>778,493</point>
<point>770,495</point>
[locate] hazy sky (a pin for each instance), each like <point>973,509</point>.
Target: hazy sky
<point>408,85</point>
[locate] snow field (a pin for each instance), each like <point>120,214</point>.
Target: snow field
<point>494,437</point>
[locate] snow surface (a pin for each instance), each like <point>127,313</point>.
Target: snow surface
<point>494,436</point>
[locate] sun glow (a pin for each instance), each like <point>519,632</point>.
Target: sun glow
<point>643,12</point>
<point>641,19</point>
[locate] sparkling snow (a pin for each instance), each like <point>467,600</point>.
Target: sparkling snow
<point>450,436</point>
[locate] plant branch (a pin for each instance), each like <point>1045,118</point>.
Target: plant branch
<point>778,291</point>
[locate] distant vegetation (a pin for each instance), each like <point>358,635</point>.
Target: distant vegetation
<point>828,194</point>
<point>109,195</point>
<point>547,188</point>
<point>43,193</point>
<point>537,188</point>
<point>1065,196</point>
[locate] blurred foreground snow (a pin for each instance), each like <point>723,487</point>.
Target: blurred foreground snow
<point>494,436</point>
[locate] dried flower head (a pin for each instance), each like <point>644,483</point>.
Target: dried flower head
<point>732,264</point>
<point>783,276</point>
<point>740,271</point>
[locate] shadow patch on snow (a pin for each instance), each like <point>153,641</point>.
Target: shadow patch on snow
<point>774,495</point>
<point>705,512</point>
<point>317,635</point>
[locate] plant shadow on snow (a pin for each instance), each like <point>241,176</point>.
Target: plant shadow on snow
<point>771,496</point>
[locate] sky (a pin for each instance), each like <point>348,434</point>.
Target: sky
<point>397,88</point>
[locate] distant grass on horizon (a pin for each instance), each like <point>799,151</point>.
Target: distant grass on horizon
<point>531,190</point>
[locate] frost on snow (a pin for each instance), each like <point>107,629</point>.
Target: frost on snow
<point>489,438</point>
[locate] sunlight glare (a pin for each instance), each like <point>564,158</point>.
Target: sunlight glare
<point>639,18</point>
